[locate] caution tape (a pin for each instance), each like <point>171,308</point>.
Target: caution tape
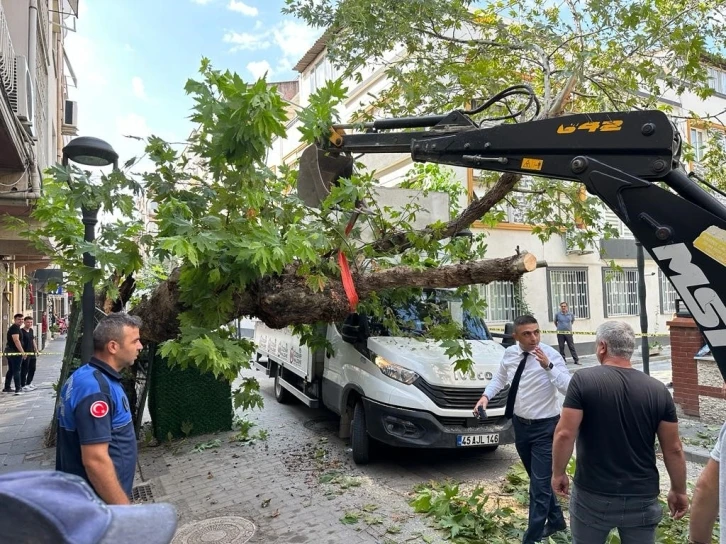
<point>581,333</point>
<point>12,354</point>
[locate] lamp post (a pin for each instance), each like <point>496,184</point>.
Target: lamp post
<point>89,151</point>
<point>644,346</point>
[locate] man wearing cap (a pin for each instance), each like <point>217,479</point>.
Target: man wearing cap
<point>43,506</point>
<point>96,437</point>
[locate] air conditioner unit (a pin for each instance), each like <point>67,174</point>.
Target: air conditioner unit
<point>70,114</point>
<point>22,98</point>
<point>571,248</point>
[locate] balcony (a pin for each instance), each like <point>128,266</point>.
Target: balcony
<point>13,155</point>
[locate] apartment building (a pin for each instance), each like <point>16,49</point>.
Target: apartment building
<point>583,278</point>
<point>36,121</point>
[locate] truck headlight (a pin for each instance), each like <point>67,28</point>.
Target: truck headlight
<point>394,371</point>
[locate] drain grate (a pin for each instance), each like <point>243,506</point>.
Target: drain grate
<point>222,530</point>
<point>142,493</point>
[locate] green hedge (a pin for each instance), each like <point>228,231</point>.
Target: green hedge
<point>187,396</point>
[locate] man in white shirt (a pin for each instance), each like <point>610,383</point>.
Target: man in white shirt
<point>706,504</point>
<point>536,372</point>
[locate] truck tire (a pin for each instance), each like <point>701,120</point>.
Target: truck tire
<point>359,439</point>
<point>282,395</point>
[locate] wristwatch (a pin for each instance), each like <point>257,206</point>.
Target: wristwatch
<point>550,367</point>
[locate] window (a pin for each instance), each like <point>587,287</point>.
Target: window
<point>668,294</point>
<point>516,205</point>
<point>621,292</point>
<point>502,302</point>
<point>323,72</point>
<point>717,80</point>
<point>698,143</point>
<point>569,285</point>
<point>608,216</point>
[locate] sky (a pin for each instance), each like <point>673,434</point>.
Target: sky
<point>133,57</point>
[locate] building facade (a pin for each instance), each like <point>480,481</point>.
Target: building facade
<point>594,291</point>
<point>36,120</point>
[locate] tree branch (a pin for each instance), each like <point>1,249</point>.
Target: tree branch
<point>285,300</point>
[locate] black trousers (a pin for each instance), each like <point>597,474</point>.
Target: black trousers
<point>27,371</point>
<point>534,446</point>
<point>561,339</point>
<point>13,372</point>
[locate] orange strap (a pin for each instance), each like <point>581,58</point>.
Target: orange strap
<point>345,274</point>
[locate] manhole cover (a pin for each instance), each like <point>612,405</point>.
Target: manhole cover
<point>224,530</point>
<point>324,424</point>
<point>142,493</point>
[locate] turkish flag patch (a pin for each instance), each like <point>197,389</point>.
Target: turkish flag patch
<point>99,408</point>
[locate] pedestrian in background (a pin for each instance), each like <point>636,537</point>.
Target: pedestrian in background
<point>536,372</point>
<point>44,329</point>
<point>27,368</point>
<point>615,412</point>
<point>563,322</point>
<point>15,354</point>
<point>709,498</point>
<point>96,436</point>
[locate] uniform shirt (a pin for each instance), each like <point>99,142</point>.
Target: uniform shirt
<point>537,394</point>
<point>11,347</point>
<point>90,416</point>
<point>621,411</point>
<point>564,321</point>
<point>718,454</point>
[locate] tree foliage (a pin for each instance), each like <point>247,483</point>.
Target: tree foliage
<point>235,239</point>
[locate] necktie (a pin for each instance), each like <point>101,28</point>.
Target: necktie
<point>509,411</point>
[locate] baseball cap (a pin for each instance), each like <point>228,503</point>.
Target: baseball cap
<point>45,506</point>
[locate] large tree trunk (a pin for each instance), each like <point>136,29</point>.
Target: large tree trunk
<point>286,300</point>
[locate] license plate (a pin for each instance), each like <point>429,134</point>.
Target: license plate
<point>477,439</point>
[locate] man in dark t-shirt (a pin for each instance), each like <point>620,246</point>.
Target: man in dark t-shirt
<point>27,368</point>
<point>15,354</point>
<point>615,412</point>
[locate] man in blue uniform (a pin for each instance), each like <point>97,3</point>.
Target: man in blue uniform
<point>96,438</point>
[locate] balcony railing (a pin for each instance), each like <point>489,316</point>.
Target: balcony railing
<point>7,54</point>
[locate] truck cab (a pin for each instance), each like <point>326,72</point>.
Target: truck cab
<point>395,387</point>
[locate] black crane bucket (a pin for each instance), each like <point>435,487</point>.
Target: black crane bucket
<point>319,170</point>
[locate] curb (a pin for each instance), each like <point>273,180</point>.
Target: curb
<point>696,455</point>
<point>692,454</point>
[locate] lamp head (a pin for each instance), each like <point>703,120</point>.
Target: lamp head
<point>90,151</point>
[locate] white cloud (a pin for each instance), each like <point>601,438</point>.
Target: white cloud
<point>258,24</point>
<point>137,85</point>
<point>258,69</point>
<point>132,124</point>
<point>295,38</point>
<point>247,41</point>
<point>241,7</point>
<point>202,2</point>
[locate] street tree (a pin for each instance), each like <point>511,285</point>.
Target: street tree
<point>231,238</point>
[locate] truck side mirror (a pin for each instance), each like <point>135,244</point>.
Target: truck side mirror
<point>355,328</point>
<point>508,336</point>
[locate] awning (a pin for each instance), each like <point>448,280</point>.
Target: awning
<point>73,4</point>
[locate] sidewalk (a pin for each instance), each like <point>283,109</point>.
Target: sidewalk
<point>24,419</point>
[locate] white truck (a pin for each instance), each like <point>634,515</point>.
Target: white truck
<point>399,390</point>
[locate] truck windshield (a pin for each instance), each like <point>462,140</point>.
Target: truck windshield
<point>435,307</point>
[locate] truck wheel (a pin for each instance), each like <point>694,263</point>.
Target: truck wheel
<point>282,395</point>
<point>359,439</point>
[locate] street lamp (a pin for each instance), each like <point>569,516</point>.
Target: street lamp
<point>89,151</point>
